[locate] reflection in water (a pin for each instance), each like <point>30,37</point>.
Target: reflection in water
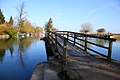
<point>18,57</point>
<point>11,50</point>
<point>24,43</point>
<point>7,44</point>
<point>2,54</point>
<point>102,42</point>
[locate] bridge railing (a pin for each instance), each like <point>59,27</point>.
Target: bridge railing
<point>54,38</point>
<point>75,39</point>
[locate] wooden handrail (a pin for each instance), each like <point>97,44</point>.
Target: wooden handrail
<point>88,35</point>
<point>57,43</point>
<point>67,35</point>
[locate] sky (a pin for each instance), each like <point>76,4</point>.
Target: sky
<point>68,14</point>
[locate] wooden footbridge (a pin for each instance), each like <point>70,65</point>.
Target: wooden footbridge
<point>72,59</point>
<point>62,39</point>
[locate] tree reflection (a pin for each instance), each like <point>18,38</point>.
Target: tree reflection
<point>101,42</point>
<point>11,50</point>
<point>9,44</point>
<point>24,44</point>
<point>2,54</point>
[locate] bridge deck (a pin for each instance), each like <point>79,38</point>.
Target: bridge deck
<point>82,66</point>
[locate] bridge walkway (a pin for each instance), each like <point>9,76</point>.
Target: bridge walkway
<point>72,63</point>
<point>83,66</point>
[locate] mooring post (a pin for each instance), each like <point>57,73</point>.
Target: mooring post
<point>65,52</point>
<point>110,50</point>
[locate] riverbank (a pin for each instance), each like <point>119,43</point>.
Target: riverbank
<point>116,36</point>
<point>4,36</point>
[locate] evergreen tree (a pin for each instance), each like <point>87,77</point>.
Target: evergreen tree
<point>2,18</point>
<point>49,25</point>
<point>11,21</point>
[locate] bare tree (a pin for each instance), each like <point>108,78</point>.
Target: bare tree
<point>86,27</point>
<point>22,15</point>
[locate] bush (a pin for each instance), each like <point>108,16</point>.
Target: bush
<point>11,31</point>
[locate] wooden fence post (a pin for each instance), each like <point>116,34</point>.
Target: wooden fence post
<point>65,51</point>
<point>74,38</point>
<point>110,51</point>
<point>67,36</point>
<point>85,43</point>
<point>56,42</point>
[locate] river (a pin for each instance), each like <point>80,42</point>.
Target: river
<point>116,50</point>
<point>18,57</point>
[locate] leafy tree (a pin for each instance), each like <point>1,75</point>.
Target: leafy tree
<point>27,27</point>
<point>21,17</point>
<point>12,31</point>
<point>3,27</point>
<point>101,31</point>
<point>38,29</point>
<point>2,18</point>
<point>11,21</point>
<point>86,27</point>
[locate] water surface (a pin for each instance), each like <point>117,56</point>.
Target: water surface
<point>115,48</point>
<point>18,57</point>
